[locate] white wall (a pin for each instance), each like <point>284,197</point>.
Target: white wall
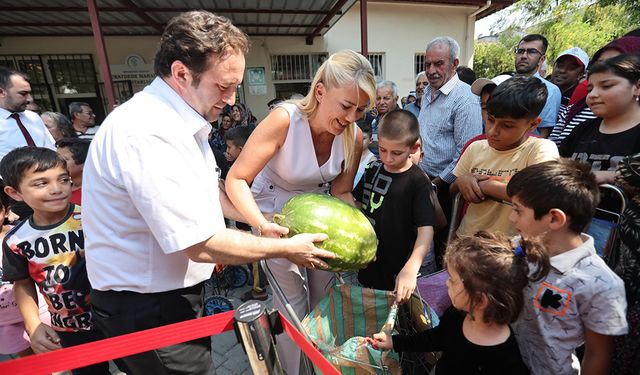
<point>399,30</point>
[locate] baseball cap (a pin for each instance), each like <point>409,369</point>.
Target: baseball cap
<point>581,56</point>
<point>480,83</point>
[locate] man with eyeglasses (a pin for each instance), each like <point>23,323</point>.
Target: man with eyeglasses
<point>530,55</point>
<point>82,118</point>
<point>421,83</point>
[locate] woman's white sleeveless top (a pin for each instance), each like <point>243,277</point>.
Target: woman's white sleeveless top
<point>294,168</point>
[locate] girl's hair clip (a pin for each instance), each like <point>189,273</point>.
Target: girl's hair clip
<point>519,251</point>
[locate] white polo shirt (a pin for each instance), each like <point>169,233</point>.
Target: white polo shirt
<point>150,190</point>
<point>11,137</point>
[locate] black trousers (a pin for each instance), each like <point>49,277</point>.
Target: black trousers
<point>118,313</point>
<point>68,339</point>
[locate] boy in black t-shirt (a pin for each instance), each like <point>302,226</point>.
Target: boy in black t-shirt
<point>395,196</point>
<point>47,251</point>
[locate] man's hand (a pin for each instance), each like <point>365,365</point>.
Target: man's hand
<point>44,339</point>
<point>405,284</point>
<point>304,253</point>
<point>469,188</point>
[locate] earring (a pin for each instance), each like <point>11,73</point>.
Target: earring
<point>638,98</point>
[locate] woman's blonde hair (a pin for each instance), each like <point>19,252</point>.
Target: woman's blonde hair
<point>341,69</point>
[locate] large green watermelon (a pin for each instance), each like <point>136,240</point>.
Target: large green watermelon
<point>351,236</point>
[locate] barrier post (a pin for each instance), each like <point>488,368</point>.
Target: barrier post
<point>254,332</point>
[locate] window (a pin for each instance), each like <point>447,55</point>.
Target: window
<point>292,74</point>
<point>418,62</point>
<point>72,74</point>
<point>295,67</point>
<point>377,63</point>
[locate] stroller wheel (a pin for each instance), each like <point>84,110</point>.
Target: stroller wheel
<point>236,276</point>
<point>217,304</point>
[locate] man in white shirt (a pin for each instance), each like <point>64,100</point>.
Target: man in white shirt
<point>153,214</point>
<point>18,126</point>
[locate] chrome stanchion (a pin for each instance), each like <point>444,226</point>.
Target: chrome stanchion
<point>254,331</point>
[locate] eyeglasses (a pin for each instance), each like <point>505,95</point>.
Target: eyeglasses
<point>528,51</point>
<point>89,113</point>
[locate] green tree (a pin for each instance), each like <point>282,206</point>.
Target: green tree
<point>491,59</point>
<point>565,23</point>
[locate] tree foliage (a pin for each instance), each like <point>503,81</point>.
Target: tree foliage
<point>565,23</point>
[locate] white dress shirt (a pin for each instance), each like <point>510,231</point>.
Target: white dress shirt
<point>11,137</point>
<point>149,191</point>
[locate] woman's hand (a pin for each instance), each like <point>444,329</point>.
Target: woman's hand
<point>269,229</point>
<point>383,340</point>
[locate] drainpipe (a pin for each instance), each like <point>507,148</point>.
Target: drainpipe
<point>471,19</point>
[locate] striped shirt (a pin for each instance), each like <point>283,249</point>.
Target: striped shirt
<point>563,129</point>
<point>447,122</point>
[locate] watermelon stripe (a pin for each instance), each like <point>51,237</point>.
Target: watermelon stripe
<point>351,235</point>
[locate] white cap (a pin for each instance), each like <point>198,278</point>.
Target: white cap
<point>577,52</point>
<point>480,83</point>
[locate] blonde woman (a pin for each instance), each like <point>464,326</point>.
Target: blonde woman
<point>306,145</point>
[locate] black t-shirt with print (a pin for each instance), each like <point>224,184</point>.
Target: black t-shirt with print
<point>396,204</point>
<point>603,151</point>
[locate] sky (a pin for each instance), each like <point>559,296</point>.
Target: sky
<point>483,26</point>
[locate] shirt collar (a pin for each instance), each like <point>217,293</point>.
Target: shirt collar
<point>567,260</point>
<point>193,121</point>
<point>447,87</point>
<point>4,114</point>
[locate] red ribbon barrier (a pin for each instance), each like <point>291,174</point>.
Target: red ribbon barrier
<point>311,351</point>
<point>138,342</point>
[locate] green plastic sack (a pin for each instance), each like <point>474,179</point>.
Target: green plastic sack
<point>340,324</point>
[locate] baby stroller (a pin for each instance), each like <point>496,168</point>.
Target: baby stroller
<point>223,279</point>
<point>605,223</point>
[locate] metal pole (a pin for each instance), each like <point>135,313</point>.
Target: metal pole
<point>101,50</point>
<point>364,47</point>
<point>293,317</point>
<point>254,332</point>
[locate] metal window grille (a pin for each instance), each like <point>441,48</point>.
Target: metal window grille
<point>123,91</point>
<point>72,74</point>
<point>377,63</point>
<point>300,67</point>
<point>418,62</point>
